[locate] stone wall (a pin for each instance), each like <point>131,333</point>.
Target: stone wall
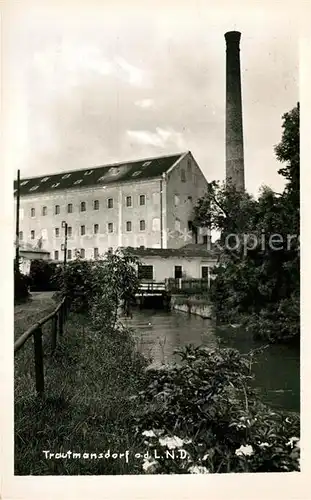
<point>192,305</point>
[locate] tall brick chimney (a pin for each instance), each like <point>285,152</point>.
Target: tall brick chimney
<point>234,123</point>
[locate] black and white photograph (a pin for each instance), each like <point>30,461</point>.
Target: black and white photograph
<point>155,196</point>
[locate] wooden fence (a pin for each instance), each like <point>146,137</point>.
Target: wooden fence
<point>191,286</point>
<point>57,318</point>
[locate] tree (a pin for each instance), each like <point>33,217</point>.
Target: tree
<point>100,287</point>
<point>260,275</point>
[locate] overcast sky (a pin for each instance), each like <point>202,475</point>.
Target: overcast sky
<point>94,85</point>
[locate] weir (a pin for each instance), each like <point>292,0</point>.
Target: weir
<point>186,295</point>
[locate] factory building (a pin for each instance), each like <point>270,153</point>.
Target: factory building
<point>147,203</point>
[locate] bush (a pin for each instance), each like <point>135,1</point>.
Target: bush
<point>278,323</point>
<point>101,286</point>
<point>207,407</point>
<point>75,282</point>
<point>41,276</point>
<point>21,286</point>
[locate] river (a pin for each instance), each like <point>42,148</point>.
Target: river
<point>277,371</point>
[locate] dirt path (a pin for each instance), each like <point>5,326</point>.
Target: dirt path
<point>25,315</point>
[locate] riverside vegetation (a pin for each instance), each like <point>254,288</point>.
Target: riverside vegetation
<point>258,283</point>
<point>201,416</point>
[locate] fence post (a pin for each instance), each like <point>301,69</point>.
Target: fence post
<point>54,333</point>
<point>39,371</point>
<point>64,306</point>
<point>60,321</point>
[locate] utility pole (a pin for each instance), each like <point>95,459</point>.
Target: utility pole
<point>65,226</point>
<point>17,222</point>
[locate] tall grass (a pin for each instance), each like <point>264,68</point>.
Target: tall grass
<point>87,407</point>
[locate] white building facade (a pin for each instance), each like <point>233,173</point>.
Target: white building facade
<point>146,203</point>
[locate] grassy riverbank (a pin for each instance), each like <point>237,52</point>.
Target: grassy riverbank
<point>86,408</point>
<point>99,397</point>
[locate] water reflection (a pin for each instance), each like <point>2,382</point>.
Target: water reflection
<point>158,333</point>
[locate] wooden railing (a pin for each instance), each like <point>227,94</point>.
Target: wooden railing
<point>58,318</point>
<point>188,285</point>
<point>178,285</point>
<point>152,286</point>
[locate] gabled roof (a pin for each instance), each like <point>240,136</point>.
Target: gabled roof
<point>96,176</point>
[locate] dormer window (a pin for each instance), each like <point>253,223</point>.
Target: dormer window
<point>114,171</point>
<point>24,183</point>
<point>55,185</point>
<point>135,174</point>
<point>146,163</point>
<point>45,179</point>
<point>33,188</point>
<point>78,181</point>
<point>88,172</point>
<point>66,176</point>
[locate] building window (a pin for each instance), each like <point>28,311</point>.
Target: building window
<point>32,235</point>
<point>33,188</point>
<point>177,225</point>
<point>146,163</point>
<point>183,175</point>
<point>57,209</point>
<point>145,272</point>
<point>205,240</point>
<point>82,206</point>
<point>96,253</point>
<point>82,230</point>
<point>96,228</point>
<point>44,210</point>
<point>178,272</point>
<point>57,232</point>
<point>20,236</point>
<point>55,185</point>
<point>142,199</point>
<point>129,226</point>
<point>23,183</point>
<point>189,166</point>
<point>45,179</point>
<point>204,272</point>
<point>142,225</point>
<point>56,254</point>
<point>110,203</point>
<point>96,204</point>
<point>82,253</point>
<point>69,208</point>
<point>66,176</point>
<point>33,212</point>
<point>176,200</point>
<point>156,224</point>
<point>110,227</point>
<point>69,231</point>
<point>88,172</point>
<point>78,181</point>
<point>128,201</point>
<point>69,254</point>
